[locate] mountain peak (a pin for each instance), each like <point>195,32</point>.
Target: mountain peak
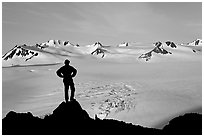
<point>56,43</point>
<point>20,51</point>
<point>197,42</point>
<point>158,44</point>
<point>98,44</point>
<point>70,110</point>
<point>171,44</point>
<point>159,49</point>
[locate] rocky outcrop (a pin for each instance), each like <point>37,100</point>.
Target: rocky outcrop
<point>70,118</point>
<point>67,118</point>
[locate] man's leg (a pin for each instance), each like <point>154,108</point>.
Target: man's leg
<point>72,90</point>
<point>66,89</point>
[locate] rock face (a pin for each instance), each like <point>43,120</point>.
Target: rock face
<point>70,118</point>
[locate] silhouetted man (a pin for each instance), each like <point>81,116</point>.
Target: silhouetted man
<point>67,72</point>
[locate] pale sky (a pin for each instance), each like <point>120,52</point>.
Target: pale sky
<point>109,23</point>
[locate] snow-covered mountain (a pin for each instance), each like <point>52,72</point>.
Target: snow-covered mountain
<point>54,51</point>
<point>195,45</point>
<point>44,53</point>
<point>170,49</point>
<point>27,55</point>
<point>20,51</point>
<point>99,50</point>
<point>54,43</point>
<point>90,48</point>
<point>159,49</point>
<point>197,42</point>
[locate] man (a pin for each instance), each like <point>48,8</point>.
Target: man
<point>67,72</point>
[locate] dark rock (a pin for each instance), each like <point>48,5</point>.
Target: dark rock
<point>70,118</point>
<point>98,44</point>
<point>189,124</point>
<point>171,44</point>
<point>158,44</point>
<point>66,42</point>
<point>197,42</point>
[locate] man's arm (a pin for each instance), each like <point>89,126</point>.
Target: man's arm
<point>74,72</point>
<point>59,73</point>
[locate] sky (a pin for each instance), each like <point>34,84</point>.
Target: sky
<point>109,23</point>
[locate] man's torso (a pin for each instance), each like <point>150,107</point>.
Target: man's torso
<point>67,72</point>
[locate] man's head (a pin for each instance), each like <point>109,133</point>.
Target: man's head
<point>66,62</point>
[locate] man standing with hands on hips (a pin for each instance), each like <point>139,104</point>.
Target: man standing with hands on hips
<point>67,72</point>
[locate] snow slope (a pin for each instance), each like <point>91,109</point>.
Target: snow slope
<point>141,93</point>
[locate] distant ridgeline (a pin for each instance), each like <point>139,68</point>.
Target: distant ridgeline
<point>51,51</point>
<point>71,119</point>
